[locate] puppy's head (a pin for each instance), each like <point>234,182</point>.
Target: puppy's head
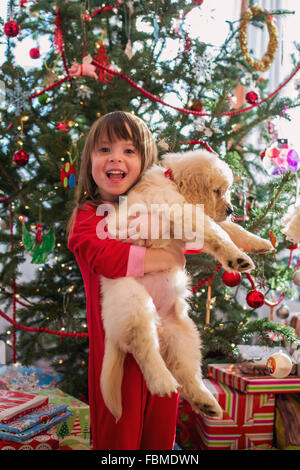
<point>202,178</point>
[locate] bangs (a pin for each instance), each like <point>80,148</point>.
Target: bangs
<point>117,126</point>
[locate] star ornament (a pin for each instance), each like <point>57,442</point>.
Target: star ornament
<point>62,127</point>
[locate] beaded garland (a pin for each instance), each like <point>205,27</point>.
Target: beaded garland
<point>265,63</point>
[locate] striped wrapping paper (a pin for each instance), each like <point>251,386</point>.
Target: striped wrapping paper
<point>229,374</point>
<point>247,420</point>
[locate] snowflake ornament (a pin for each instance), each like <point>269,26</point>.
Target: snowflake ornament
<point>16,100</point>
<point>204,67</point>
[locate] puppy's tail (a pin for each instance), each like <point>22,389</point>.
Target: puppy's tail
<point>111,378</point>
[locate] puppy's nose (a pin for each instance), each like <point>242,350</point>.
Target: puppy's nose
<point>229,210</point>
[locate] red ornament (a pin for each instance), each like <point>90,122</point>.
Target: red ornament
<point>86,16</point>
<point>20,157</point>
<point>251,97</point>
<point>187,43</point>
<point>262,154</point>
<point>255,298</point>
<point>231,279</point>
<point>11,29</point>
<point>197,105</point>
<point>35,53</point>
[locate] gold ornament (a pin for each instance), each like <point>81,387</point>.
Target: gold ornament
<point>265,63</point>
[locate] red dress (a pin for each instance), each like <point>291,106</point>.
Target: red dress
<point>148,421</point>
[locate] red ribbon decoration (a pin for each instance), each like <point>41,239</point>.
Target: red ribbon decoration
<point>102,10</point>
<point>190,111</point>
<point>41,329</point>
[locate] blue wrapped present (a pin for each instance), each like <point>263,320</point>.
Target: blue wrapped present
<point>28,378</point>
<point>34,430</point>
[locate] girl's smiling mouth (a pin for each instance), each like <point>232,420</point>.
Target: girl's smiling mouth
<point>115,175</point>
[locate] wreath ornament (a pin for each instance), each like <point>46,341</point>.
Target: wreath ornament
<point>266,61</point>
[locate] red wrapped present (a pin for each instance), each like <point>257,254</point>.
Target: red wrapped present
<point>247,420</point>
<point>230,374</point>
<point>45,441</point>
<point>14,404</point>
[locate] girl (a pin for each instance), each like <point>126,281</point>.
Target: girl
<point>118,149</point>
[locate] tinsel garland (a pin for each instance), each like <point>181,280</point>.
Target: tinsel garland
<point>266,62</point>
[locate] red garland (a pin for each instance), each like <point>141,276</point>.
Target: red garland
<point>190,111</point>
<point>51,87</point>
<point>102,10</point>
<point>155,98</point>
<point>41,329</point>
<point>59,41</point>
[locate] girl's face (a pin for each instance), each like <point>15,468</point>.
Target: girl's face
<point>115,167</point>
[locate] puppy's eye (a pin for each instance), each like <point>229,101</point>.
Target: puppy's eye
<point>217,191</point>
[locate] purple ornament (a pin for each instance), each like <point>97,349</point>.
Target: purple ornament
<point>279,170</point>
<point>293,160</point>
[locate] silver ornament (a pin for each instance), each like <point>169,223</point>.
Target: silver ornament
<point>296,278</point>
<point>283,311</point>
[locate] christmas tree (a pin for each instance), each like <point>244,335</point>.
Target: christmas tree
<point>105,57</point>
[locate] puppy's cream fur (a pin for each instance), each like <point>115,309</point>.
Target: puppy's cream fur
<point>162,338</point>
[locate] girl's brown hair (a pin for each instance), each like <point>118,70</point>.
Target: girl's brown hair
<point>112,126</point>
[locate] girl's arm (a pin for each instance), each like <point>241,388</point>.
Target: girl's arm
<point>111,258</point>
<point>106,257</point>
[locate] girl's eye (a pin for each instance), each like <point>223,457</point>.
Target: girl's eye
<point>129,151</point>
<point>104,149</point>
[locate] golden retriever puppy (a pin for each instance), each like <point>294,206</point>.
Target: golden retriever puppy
<point>148,316</point>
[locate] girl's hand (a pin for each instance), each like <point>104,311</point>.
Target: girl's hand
<point>145,227</point>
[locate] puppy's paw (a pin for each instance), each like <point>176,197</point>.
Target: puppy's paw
<point>240,263</point>
<point>261,246</point>
<point>163,385</point>
<point>207,403</point>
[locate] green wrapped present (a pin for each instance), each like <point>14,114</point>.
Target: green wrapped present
<point>74,431</point>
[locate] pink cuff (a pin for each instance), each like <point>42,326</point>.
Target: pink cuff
<point>135,266</point>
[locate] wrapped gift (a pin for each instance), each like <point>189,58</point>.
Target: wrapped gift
<point>27,379</point>
<point>29,420</point>
<point>14,404</point>
<point>36,429</point>
<point>247,420</point>
<point>76,429</point>
<point>230,374</point>
<point>45,441</point>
